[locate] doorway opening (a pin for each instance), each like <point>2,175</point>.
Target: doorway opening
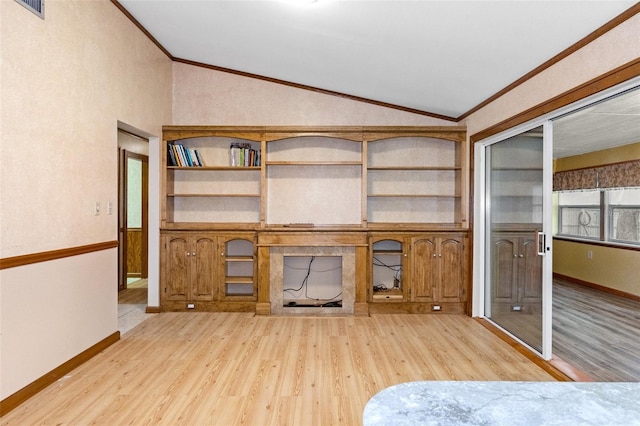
<point>133,229</point>
<point>592,138</point>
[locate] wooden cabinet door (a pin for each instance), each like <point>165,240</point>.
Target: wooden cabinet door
<point>204,268</point>
<point>530,271</point>
<point>504,269</point>
<point>176,268</point>
<point>451,259</point>
<point>424,273</point>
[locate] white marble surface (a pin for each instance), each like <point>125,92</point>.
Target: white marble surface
<point>505,403</point>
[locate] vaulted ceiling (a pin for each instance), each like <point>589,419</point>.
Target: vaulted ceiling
<point>438,57</point>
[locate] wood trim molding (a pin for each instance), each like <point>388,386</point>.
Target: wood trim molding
<point>33,388</point>
<point>45,256</point>
<point>624,16</point>
<point>141,28</point>
<point>153,310</point>
<point>594,286</point>
<point>547,366</point>
<point>598,84</point>
<point>570,371</point>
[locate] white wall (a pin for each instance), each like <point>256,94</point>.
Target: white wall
<point>82,309</point>
<point>67,81</point>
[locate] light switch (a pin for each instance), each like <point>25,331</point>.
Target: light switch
<point>97,209</point>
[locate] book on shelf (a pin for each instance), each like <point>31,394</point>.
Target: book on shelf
<point>198,158</point>
<point>243,155</point>
<point>171,156</point>
<point>180,156</point>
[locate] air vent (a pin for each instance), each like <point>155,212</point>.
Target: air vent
<point>36,6</point>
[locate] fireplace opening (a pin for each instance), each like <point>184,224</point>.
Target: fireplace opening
<point>312,281</point>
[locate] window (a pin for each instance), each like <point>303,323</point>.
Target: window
<point>36,6</point>
<point>624,211</point>
<point>611,215</point>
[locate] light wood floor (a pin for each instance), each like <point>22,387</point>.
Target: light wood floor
<point>596,332</point>
<point>237,368</point>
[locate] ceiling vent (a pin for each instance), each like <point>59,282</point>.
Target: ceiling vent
<point>36,6</point>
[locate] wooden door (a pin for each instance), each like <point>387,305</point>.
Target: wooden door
<point>424,273</point>
<point>530,274</point>
<point>451,281</point>
<point>504,269</point>
<point>204,268</point>
<point>176,268</point>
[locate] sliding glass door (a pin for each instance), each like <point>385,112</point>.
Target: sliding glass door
<point>516,243</point>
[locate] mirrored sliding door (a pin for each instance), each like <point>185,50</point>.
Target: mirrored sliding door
<point>515,240</point>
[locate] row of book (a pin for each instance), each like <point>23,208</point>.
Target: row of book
<point>243,155</point>
<point>180,156</point>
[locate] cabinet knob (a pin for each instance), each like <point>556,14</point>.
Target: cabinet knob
<point>515,255</point>
<point>222,254</point>
<point>188,254</point>
<point>434,255</point>
<point>522,255</point>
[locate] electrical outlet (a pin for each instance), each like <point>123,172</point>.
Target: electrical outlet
<point>109,207</point>
<point>589,254</point>
<point>97,208</point>
<point>191,305</point>
<point>436,308</point>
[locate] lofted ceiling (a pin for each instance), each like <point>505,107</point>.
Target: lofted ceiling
<point>438,57</point>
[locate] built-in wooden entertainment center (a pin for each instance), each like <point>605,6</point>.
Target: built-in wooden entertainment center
<point>379,212</point>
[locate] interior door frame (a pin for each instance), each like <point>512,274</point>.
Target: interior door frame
<point>481,240</point>
<point>479,234</point>
<point>123,162</point>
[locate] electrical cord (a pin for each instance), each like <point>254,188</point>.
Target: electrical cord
<point>397,269</point>
<point>305,281</point>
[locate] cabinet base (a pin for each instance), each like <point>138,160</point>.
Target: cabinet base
<point>207,306</point>
<point>263,308</point>
<point>417,308</point>
<point>360,309</point>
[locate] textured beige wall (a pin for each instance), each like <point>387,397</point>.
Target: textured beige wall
<point>204,96</point>
<point>64,87</point>
<point>66,81</point>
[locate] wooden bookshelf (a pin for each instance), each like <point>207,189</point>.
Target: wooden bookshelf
<point>323,182</point>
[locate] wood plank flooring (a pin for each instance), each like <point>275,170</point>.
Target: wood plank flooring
<point>596,332</point>
<point>134,294</point>
<point>240,369</point>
